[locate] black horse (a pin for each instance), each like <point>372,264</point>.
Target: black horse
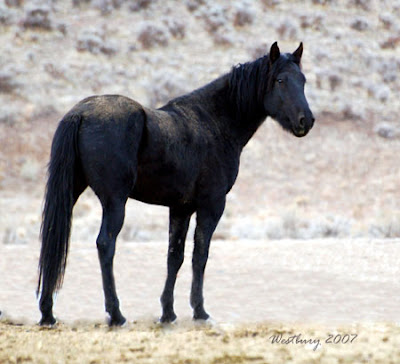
<point>184,155</point>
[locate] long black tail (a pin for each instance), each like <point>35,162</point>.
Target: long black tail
<point>59,202</point>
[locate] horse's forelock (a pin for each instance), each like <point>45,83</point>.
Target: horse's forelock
<point>277,67</point>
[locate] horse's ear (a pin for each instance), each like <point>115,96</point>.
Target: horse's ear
<point>274,53</point>
<point>298,53</point>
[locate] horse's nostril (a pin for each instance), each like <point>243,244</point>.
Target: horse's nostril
<point>302,122</point>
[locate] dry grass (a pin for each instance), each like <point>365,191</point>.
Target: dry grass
<point>187,343</point>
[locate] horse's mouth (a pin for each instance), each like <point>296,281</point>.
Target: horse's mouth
<point>299,132</point>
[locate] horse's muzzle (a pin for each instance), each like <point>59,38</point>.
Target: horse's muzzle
<point>303,125</point>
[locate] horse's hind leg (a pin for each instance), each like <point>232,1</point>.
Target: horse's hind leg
<point>113,219</point>
<point>178,227</point>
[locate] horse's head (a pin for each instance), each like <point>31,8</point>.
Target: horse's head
<point>284,99</point>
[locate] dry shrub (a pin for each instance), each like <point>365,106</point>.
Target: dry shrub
<point>7,81</point>
<point>387,131</point>
<point>311,21</point>
<point>57,71</point>
<point>287,30</point>
<point>214,16</point>
<point>94,42</point>
<point>270,3</point>
<point>176,27</point>
<point>152,34</point>
<point>193,5</point>
<point>223,37</point>
<point>387,21</point>
<point>14,3</point>
<point>329,227</point>
<point>359,24</point>
<point>379,92</point>
<point>80,2</point>
<point>387,225</point>
<point>38,16</point>
<point>389,70</point>
<point>391,42</point>
<point>141,4</point>
<point>292,226</point>
<point>117,3</point>
<point>105,6</point>
<point>244,15</point>
<point>361,4</point>
<point>349,113</point>
<point>334,81</point>
<point>6,15</point>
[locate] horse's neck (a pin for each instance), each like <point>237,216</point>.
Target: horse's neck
<point>215,97</point>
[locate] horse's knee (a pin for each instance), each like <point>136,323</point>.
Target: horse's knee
<point>175,258</point>
<point>104,245</point>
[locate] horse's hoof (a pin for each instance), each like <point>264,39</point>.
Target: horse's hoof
<point>201,315</point>
<point>117,322</point>
<point>168,318</point>
<point>48,322</point>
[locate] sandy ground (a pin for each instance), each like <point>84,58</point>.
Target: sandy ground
<point>326,281</point>
<point>255,290</point>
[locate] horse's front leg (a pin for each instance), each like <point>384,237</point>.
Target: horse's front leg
<point>207,219</point>
<point>178,226</point>
<point>113,218</point>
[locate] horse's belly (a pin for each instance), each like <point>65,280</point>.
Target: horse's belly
<point>163,187</point>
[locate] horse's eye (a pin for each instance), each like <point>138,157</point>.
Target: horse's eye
<point>279,80</point>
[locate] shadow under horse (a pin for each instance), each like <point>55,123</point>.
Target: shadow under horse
<point>184,155</point>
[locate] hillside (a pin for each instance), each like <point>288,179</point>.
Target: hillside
<point>341,180</point>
